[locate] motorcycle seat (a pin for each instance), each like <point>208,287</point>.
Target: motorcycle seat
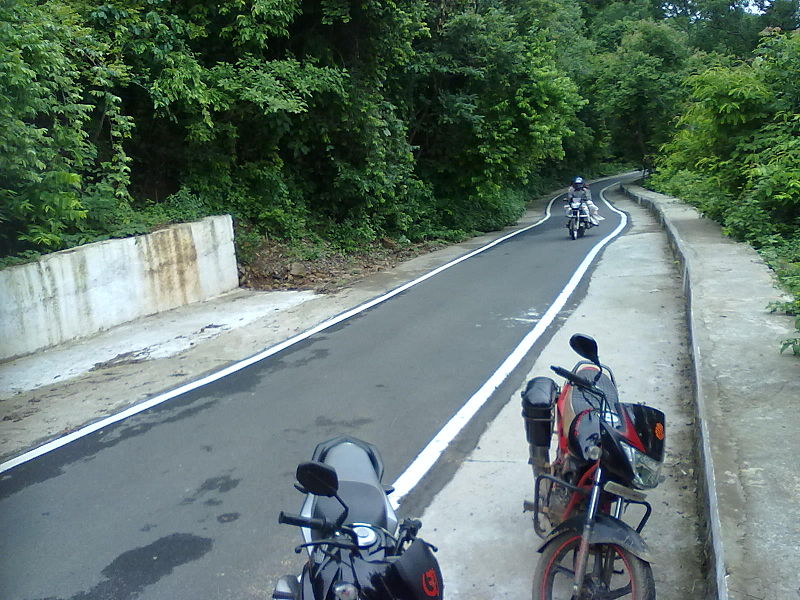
<point>365,503</point>
<point>579,400</point>
<point>359,470</point>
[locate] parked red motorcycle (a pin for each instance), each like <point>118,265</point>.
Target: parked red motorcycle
<point>605,453</point>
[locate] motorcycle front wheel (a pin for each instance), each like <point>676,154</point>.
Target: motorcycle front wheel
<point>611,572</point>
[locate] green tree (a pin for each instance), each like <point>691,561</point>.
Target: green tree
<point>740,135</point>
<point>736,154</point>
<point>62,126</point>
<point>490,108</point>
<point>637,90</point>
<point>731,27</point>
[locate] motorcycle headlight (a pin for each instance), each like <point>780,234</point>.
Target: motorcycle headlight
<point>645,469</point>
<point>345,591</point>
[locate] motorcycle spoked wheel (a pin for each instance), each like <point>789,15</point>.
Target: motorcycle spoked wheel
<point>630,576</point>
<point>573,229</point>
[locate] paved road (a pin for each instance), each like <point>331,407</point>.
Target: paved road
<point>181,501</point>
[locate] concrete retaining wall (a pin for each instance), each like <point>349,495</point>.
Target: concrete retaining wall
<point>78,292</point>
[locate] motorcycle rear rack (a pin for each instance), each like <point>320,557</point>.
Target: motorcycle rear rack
<point>628,497</point>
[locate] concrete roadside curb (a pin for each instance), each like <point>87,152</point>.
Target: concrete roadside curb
<point>740,529</point>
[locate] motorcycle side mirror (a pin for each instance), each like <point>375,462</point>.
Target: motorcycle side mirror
<point>586,346</point>
<point>318,478</point>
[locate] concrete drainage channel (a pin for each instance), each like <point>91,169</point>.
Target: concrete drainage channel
<point>716,570</point>
<point>746,410</point>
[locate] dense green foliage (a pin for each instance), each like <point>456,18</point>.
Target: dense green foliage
<point>341,120</point>
<point>736,153</point>
<point>344,121</point>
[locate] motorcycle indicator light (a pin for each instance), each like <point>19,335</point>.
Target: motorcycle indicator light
<point>659,431</point>
<point>345,591</point>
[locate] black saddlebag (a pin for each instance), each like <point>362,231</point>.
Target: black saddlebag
<point>538,402</point>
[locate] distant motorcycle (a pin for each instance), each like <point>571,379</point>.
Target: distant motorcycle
<point>605,453</point>
<point>578,220</point>
<point>356,549</point>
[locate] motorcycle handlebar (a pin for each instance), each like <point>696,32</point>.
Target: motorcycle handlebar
<point>570,376</point>
<point>301,521</point>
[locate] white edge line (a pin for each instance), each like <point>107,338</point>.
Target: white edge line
<point>431,453</point>
<point>156,400</point>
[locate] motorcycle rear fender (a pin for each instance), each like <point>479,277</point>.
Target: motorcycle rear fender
<point>606,530</point>
<point>323,448</point>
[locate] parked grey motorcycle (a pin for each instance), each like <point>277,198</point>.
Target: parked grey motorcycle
<point>356,548</point>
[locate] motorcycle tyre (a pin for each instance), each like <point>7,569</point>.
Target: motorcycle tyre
<point>573,230</point>
<point>581,231</point>
<point>641,574</point>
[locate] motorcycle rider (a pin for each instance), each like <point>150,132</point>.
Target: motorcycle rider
<point>579,189</point>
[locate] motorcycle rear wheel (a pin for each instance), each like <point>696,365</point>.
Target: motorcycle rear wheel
<point>630,577</point>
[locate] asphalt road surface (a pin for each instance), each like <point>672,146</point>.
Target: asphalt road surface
<point>181,501</point>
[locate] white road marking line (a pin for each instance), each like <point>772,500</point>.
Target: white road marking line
<point>431,453</point>
<point>156,400</point>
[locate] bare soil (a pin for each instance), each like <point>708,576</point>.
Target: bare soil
<point>278,266</point>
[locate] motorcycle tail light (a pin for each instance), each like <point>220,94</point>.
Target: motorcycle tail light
<point>345,591</point>
<point>645,469</point>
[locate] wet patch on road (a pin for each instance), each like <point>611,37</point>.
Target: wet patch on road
<point>333,425</point>
<point>228,517</point>
<point>132,571</point>
<point>221,484</point>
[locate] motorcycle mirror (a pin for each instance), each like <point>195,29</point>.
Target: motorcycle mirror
<point>318,478</point>
<point>586,346</point>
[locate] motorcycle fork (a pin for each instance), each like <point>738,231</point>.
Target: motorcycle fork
<point>583,548</point>
<point>607,566</point>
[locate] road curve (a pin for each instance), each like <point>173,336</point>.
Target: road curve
<point>180,501</point>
